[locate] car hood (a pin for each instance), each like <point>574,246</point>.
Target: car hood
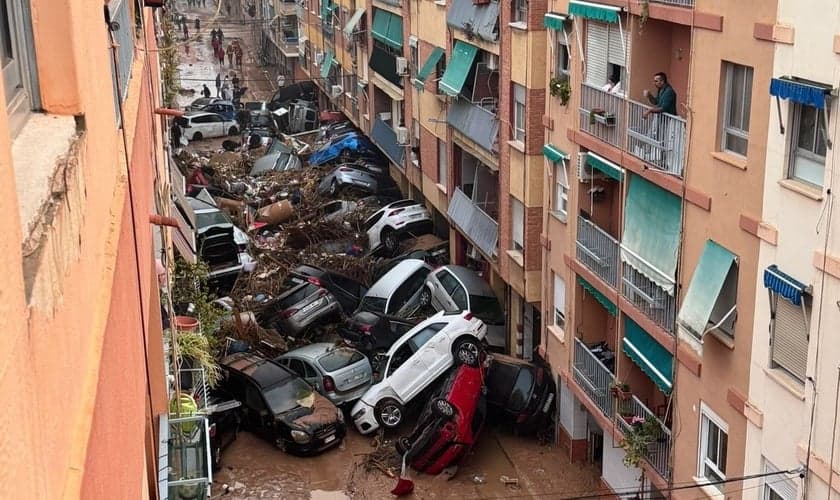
<point>315,411</point>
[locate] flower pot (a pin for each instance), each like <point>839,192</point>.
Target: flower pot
<point>621,394</point>
<point>185,323</point>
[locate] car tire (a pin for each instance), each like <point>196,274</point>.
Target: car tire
<point>467,352</point>
<point>233,131</point>
<point>391,242</point>
<point>197,136</point>
<point>390,413</point>
<point>333,188</point>
<point>402,445</point>
<point>425,297</point>
<point>443,408</point>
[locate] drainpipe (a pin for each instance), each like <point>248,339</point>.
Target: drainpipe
<point>162,220</point>
<point>169,112</point>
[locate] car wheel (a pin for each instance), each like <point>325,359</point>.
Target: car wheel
<point>443,408</point>
<point>197,136</point>
<point>467,352</point>
<point>402,445</point>
<point>425,297</point>
<point>391,242</point>
<point>333,188</point>
<point>233,131</point>
<point>389,413</point>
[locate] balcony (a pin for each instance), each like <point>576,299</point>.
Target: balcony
<point>472,221</point>
<point>679,3</point>
<point>659,451</point>
<point>187,467</point>
<point>594,378</point>
<point>659,139</point>
<point>602,114</point>
<point>598,251</point>
<point>385,64</point>
<point>480,20</point>
<point>384,136</point>
<point>478,123</point>
<point>649,297</point>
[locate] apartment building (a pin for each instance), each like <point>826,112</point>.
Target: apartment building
<point>794,373</point>
<point>275,24</point>
<point>652,231</point>
<point>449,92</point>
<point>83,170</point>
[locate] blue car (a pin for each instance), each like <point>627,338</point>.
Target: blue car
<point>342,146</point>
<point>224,108</point>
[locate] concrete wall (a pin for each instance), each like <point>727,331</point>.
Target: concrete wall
<point>618,476</point>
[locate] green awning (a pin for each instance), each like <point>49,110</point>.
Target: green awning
<point>652,358</point>
<point>650,242</point>
<point>327,10</point>
<point>605,166</point>
<point>428,67</point>
<point>594,11</point>
<point>354,21</point>
<point>554,21</point>
<point>553,153</point>
<point>600,297</point>
<point>705,287</point>
<point>327,64</point>
<point>463,55</point>
<point>387,28</point>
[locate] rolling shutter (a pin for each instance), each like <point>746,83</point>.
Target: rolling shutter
<point>597,43</point>
<point>616,51</point>
<point>790,338</point>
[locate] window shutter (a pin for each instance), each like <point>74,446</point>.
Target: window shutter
<point>616,49</point>
<point>559,300</point>
<point>790,338</point>
<point>597,43</point>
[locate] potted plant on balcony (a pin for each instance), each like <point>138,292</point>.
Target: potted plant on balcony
<point>559,86</point>
<point>638,437</point>
<point>598,115</point>
<point>621,390</point>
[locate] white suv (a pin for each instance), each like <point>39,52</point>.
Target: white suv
<point>394,221</point>
<point>199,125</point>
<point>414,362</point>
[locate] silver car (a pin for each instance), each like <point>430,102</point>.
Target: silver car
<point>342,374</point>
<point>299,308</point>
<point>458,288</point>
<point>276,162</point>
<point>347,177</point>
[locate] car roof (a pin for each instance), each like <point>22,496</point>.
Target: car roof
<point>310,270</point>
<point>193,114</point>
<point>312,351</point>
<point>222,102</point>
<point>263,371</point>
<point>202,205</point>
<point>389,282</point>
<point>473,282</point>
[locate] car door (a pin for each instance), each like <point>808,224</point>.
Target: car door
<point>445,289</point>
<point>257,415</point>
<point>403,370</point>
<point>346,291</point>
<point>302,369</point>
<point>431,347</point>
<point>405,298</point>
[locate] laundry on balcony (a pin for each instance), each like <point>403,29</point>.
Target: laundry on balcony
<point>463,56</point>
<point>800,91</point>
<point>605,166</point>
<point>704,291</point>
<point>480,20</point>
<point>650,241</point>
<point>554,21</point>
<point>428,67</point>
<point>354,21</point>
<point>594,11</point>
<point>650,355</point>
<point>387,28</point>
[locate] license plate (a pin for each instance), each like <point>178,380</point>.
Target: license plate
<point>312,306</point>
<point>297,280</point>
<point>548,401</point>
<point>329,439</point>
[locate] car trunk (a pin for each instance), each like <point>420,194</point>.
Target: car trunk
<point>348,368</point>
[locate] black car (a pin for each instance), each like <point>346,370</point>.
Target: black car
<point>346,290</point>
<point>280,407</point>
<point>372,332</point>
<point>303,90</point>
<point>520,392</point>
<point>224,421</point>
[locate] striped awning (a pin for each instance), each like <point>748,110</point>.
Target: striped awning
<point>594,11</point>
<point>784,285</point>
<point>554,21</point>
<point>553,153</point>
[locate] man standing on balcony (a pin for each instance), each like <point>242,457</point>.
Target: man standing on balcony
<point>665,100</point>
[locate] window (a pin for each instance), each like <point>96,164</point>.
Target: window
<point>777,486</point>
<point>560,203</point>
<point>19,71</point>
<point>606,56</point>
<point>518,113</point>
<point>420,338</point>
<point>561,65</point>
<point>443,170</point>
<point>520,11</point>
<point>789,337</point>
<point>414,57</point>
<point>559,302</point>
<point>737,96</point>
<point>447,281</point>
<point>518,229</point>
<point>407,291</point>
<point>807,144</point>
<point>711,464</point>
<point>440,68</point>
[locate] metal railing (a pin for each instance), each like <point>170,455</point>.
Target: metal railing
<point>659,450</point>
<point>678,3</point>
<point>386,138</point>
<point>602,114</point>
<point>479,124</point>
<point>658,139</point>
<point>189,473</point>
<point>649,298</point>
<point>597,250</point>
<point>594,378</point>
<point>194,383</point>
<point>480,228</point>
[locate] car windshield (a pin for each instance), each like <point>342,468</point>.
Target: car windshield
<point>282,160</point>
<point>487,309</point>
<point>261,120</point>
<point>373,304</point>
<point>521,391</point>
<point>298,295</point>
<point>254,106</point>
<point>285,397</point>
<point>339,358</point>
<point>206,219</point>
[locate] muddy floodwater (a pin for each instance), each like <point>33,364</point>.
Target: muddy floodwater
<point>253,469</point>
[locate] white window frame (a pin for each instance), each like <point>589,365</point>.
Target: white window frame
<point>729,127</point>
<point>519,113</point>
<point>517,209</point>
<point>560,200</point>
<point>709,419</point>
<point>559,302</point>
<point>776,301</point>
<point>414,55</point>
<point>562,47</point>
<point>396,113</point>
<point>776,483</point>
<point>520,11</point>
<point>443,166</point>
<point>797,154</point>
<point>20,73</point>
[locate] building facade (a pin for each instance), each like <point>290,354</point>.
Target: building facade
<point>275,28</point>
<point>83,370</point>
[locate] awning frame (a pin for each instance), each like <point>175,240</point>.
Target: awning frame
<point>704,290</point>
<point>662,380</point>
<point>455,63</point>
<point>785,285</point>
<point>776,88</point>
<point>605,166</point>
<point>554,20</point>
<point>428,66</point>
<point>609,13</point>
<point>353,22</point>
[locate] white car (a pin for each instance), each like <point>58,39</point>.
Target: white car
<point>397,292</point>
<point>203,125</point>
<point>394,221</point>
<point>414,362</point>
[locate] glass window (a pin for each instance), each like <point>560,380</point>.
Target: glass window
<point>520,11</point>
<point>737,97</point>
<point>339,358</point>
<point>560,203</point>
<point>518,228</point>
<point>562,62</point>
<point>400,356</point>
<point>296,366</point>
<point>713,443</point>
<point>420,338</point>
<point>18,62</point>
<point>443,170</point>
<point>459,296</point>
<point>776,485</point>
<point>253,399</point>
<point>807,144</point>
<point>403,295</point>
<point>413,54</point>
<point>559,302</point>
<point>518,113</point>
<point>285,397</point>
<point>449,282</point>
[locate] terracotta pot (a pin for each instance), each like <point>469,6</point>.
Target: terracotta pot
<point>185,323</point>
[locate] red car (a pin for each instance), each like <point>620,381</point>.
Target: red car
<point>449,425</point>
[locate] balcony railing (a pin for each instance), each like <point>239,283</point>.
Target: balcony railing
<point>194,383</point>
<point>474,222</point>
<point>478,123</point>
<point>602,114</point>
<point>384,136</point>
<point>594,378</point>
<point>189,473</point>
<point>678,3</point>
<point>659,450</point>
<point>649,298</point>
<point>598,251</point>
<point>658,139</point>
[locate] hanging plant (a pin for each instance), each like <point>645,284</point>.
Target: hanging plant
<point>644,14</point>
<point>637,439</point>
<point>559,86</point>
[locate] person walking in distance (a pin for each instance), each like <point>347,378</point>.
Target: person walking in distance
<point>230,55</point>
<point>221,56</point>
<point>197,24</point>
<point>235,81</point>
<point>205,91</point>
<point>218,84</point>
<point>186,31</point>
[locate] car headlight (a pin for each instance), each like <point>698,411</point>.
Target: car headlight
<point>301,437</point>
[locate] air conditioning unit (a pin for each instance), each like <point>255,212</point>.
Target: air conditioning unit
<point>586,172</point>
<point>491,61</point>
<point>319,58</point>
<point>336,90</point>
<point>412,41</point>
<point>402,66</point>
<point>402,135</point>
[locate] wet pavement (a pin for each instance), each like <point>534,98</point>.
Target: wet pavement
<point>253,469</point>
